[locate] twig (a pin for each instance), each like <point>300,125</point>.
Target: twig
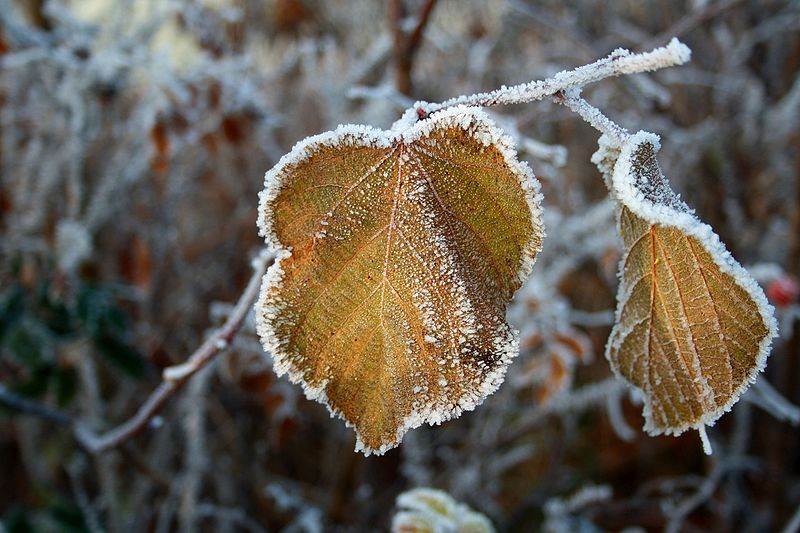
<point>74,473</point>
<point>233,515</point>
<point>580,400</point>
<point>765,396</point>
<point>174,378</point>
<point>572,99</point>
<point>704,493</point>
<point>196,455</point>
<point>619,62</point>
<point>406,45</point>
<point>23,405</point>
<point>793,526</point>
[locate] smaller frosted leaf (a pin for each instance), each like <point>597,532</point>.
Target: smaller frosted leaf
<point>693,328</point>
<point>397,254</point>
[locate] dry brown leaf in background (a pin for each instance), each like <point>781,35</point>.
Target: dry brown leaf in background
<point>693,328</point>
<point>398,254</point>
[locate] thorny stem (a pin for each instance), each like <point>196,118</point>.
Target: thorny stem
<point>619,62</point>
<point>174,378</point>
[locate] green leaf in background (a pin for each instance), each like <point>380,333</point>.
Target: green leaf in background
<point>12,306</point>
<point>58,515</point>
<point>120,354</point>
<point>108,327</point>
<point>26,341</point>
<point>65,380</point>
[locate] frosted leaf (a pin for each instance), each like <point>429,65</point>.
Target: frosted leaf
<point>424,510</point>
<point>397,253</point>
<point>693,329</point>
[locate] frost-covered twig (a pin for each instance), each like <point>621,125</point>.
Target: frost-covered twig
<point>764,395</point>
<point>572,99</point>
<point>175,378</point>
<point>619,62</point>
<point>559,510</point>
<point>793,525</point>
<point>580,400</point>
<point>194,426</point>
<point>74,473</point>
<point>230,515</point>
<point>704,492</point>
<point>220,340</point>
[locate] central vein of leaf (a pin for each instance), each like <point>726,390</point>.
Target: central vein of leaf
<point>390,232</point>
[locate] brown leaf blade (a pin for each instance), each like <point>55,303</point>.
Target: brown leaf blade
<point>693,329</point>
<point>398,254</point>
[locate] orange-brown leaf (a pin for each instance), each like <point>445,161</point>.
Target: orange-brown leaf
<point>693,329</point>
<point>398,253</point>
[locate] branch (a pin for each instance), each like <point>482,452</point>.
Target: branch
<point>577,401</point>
<point>24,405</point>
<point>619,62</point>
<point>406,45</point>
<point>572,99</point>
<point>174,378</point>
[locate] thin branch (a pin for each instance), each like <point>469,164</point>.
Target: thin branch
<point>704,493</point>
<point>578,401</point>
<point>406,44</point>
<point>23,405</point>
<point>619,62</point>
<point>415,37</point>
<point>572,99</point>
<point>174,378</point>
<point>793,526</point>
<point>765,396</point>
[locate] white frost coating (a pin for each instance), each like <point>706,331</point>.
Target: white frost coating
<point>662,206</point>
<point>220,344</point>
<point>477,124</point>
<point>619,62</point>
<point>704,439</point>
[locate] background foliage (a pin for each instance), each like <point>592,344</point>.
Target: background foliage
<point>133,142</point>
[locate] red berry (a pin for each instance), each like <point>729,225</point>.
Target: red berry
<point>783,291</point>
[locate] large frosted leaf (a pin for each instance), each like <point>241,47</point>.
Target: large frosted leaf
<point>398,252</point>
<point>693,328</point>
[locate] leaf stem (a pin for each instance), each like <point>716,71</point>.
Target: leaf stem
<point>593,116</point>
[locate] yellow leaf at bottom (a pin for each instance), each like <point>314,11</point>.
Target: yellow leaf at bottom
<point>398,253</point>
